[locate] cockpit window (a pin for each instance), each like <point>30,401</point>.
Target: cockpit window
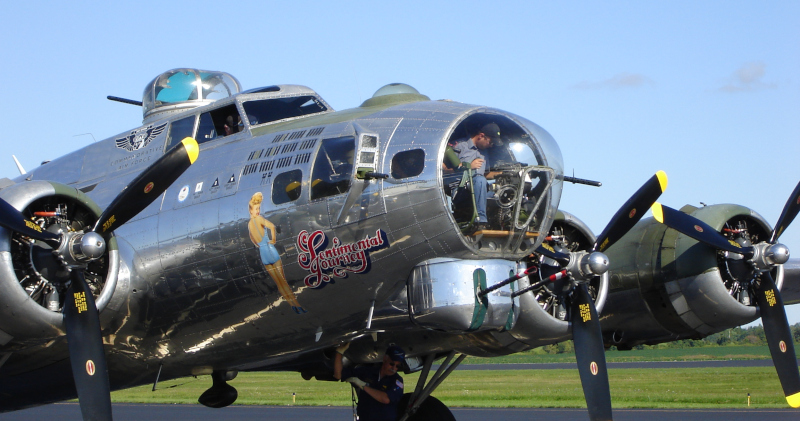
<point>408,164</point>
<point>221,122</point>
<point>333,167</point>
<point>179,129</point>
<point>268,110</point>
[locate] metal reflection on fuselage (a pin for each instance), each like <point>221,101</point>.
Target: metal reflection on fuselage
<point>227,269</point>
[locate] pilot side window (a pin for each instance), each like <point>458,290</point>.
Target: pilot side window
<point>333,167</point>
<point>221,122</point>
<point>180,129</point>
<point>287,187</point>
<point>267,110</point>
<point>408,164</point>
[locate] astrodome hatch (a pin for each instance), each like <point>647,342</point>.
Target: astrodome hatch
<point>394,93</point>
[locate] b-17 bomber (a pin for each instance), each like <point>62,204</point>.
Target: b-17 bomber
<point>260,230</point>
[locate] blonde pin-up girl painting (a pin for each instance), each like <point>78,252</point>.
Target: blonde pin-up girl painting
<point>262,234</point>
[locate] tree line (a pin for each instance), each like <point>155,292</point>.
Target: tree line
<point>738,336</point>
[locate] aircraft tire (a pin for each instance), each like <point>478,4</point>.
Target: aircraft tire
<point>431,410</point>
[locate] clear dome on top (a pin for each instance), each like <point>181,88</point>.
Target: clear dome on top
<point>179,89</point>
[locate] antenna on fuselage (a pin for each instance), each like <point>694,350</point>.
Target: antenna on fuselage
<point>19,166</point>
<point>84,134</point>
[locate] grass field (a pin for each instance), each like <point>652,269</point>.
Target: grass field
<point>652,354</point>
<point>630,388</point>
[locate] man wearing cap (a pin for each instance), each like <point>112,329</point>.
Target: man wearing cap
<point>469,152</point>
<point>379,386</point>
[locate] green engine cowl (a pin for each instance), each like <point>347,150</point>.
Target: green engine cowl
<point>666,286</point>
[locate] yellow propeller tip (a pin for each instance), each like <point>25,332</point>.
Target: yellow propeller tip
<point>192,149</point>
<point>658,212</point>
<point>662,180</point>
<point>794,400</point>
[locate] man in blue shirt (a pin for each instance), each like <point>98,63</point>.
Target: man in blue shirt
<point>469,152</point>
<point>379,386</point>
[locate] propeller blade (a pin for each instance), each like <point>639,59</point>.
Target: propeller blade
<point>790,211</point>
<point>86,353</point>
<point>779,338</point>
<point>13,219</point>
<point>695,228</point>
<point>632,211</point>
<point>145,188</point>
<point>547,251</point>
<point>590,354</point>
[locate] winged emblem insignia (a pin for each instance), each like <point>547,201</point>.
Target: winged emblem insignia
<point>140,138</point>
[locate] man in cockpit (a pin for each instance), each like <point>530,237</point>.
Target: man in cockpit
<point>233,126</point>
<point>469,153</point>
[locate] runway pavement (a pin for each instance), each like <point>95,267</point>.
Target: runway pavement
<point>139,412</point>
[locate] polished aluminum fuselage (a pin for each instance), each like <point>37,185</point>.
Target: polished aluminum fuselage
<point>193,295</point>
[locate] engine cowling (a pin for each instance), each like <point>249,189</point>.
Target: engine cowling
<point>31,280</point>
<point>543,317</point>
<point>666,286</point>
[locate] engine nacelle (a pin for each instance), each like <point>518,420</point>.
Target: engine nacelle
<point>542,317</point>
<point>31,278</point>
<point>666,286</point>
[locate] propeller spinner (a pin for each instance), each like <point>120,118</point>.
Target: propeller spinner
<point>76,249</point>
<point>760,259</point>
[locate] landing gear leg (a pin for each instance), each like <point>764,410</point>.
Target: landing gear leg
<point>420,405</point>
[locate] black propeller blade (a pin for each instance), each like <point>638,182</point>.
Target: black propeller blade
<point>145,188</point>
<point>12,219</point>
<point>548,251</point>
<point>586,332</point>
<point>84,335</point>
<point>590,354</point>
<point>632,211</point>
<point>790,210</point>
<point>779,337</point>
<point>86,354</point>
<point>695,228</point>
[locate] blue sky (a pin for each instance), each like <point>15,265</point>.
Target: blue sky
<point>707,92</point>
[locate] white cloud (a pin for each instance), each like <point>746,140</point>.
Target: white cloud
<point>749,77</point>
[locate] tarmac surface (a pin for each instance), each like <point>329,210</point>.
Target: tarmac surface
<point>138,412</point>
